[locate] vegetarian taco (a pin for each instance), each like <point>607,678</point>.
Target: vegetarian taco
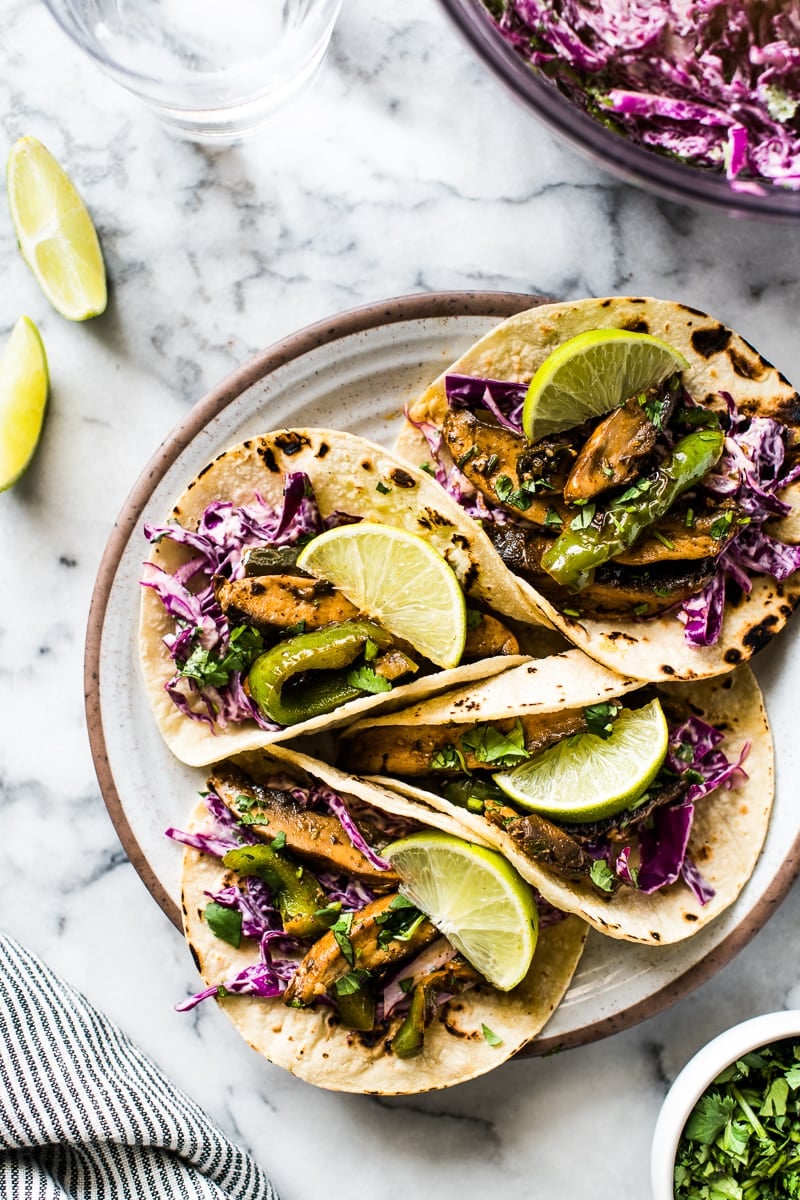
<point>634,462</point>
<point>308,938</point>
<point>304,577</point>
<point>642,809</point>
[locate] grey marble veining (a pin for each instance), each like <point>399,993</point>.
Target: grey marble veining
<point>405,169</point>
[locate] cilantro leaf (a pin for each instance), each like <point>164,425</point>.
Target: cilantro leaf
<point>225,923</point>
<point>368,680</point>
<point>491,1037</point>
<point>448,758</point>
<point>600,718</point>
<point>602,876</point>
<point>210,670</point>
<point>489,745</point>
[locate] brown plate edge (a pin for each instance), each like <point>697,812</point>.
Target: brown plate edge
<point>402,308</point>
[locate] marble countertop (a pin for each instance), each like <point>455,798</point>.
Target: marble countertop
<point>405,169</point>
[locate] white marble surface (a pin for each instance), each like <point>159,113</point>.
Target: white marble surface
<point>406,169</point>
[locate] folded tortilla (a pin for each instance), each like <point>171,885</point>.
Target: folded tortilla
<point>729,825</point>
<point>720,360</point>
<point>312,1044</point>
<point>344,471</point>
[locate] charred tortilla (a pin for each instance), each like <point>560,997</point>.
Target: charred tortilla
<point>345,473</point>
<point>650,647</point>
<point>729,825</point>
<point>312,1043</point>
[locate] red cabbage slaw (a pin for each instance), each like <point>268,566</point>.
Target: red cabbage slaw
<point>694,746</point>
<point>714,83</point>
<point>279,953</point>
<point>752,471</point>
<point>218,545</point>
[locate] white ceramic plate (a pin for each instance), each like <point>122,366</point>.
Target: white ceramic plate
<point>355,373</point>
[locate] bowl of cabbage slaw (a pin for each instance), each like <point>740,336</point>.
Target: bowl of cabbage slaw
<point>696,100</point>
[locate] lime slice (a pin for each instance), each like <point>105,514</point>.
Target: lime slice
<point>24,385</point>
<point>475,898</point>
<point>396,579</point>
<point>585,777</point>
<point>55,232</point>
<point>592,373</point>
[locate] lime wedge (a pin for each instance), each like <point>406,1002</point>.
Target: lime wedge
<point>592,373</point>
<point>585,778</point>
<point>397,580</point>
<point>55,232</point>
<point>475,898</point>
<point>24,385</point>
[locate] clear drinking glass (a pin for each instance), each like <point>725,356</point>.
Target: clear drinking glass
<point>212,70</point>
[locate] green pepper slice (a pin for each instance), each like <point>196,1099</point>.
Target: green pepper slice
<point>575,554</point>
<point>297,891</point>
<point>357,1009</point>
<point>329,649</point>
<point>410,1037</point>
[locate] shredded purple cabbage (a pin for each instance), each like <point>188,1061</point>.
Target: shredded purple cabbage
<point>713,83</point>
<point>502,399</point>
<point>223,534</point>
<point>694,746</point>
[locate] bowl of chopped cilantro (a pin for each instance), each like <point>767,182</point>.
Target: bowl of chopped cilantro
<point>697,100</point>
<point>729,1128</point>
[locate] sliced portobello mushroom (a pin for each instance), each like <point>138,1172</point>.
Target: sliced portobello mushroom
<point>271,602</point>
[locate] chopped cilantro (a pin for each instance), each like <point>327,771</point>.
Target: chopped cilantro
<point>659,536</point>
<point>492,463</point>
<point>427,468</point>
<point>570,612</point>
<point>368,680</point>
<point>211,670</point>
<point>406,984</point>
<point>602,875</point>
<point>293,630</point>
<point>350,983</point>
<point>382,488</point>
<point>743,1134</point>
<point>600,718</point>
<point>462,462</point>
<point>371,650</point>
<point>515,497</point>
<point>640,609</point>
<point>225,923</point>
<point>607,470</point>
<point>551,517</point>
<point>490,1036</point>
<point>489,745</point>
<point>721,525</point>
<point>449,758</point>
<point>689,518</point>
<point>584,517</point>
<point>341,932</point>
<point>474,618</point>
<point>279,841</point>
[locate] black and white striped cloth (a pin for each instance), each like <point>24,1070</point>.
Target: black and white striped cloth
<point>85,1115</point>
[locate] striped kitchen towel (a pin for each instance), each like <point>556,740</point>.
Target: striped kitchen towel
<point>84,1114</point>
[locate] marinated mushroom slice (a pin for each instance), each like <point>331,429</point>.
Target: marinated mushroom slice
<point>619,826</point>
<point>412,750</point>
<point>617,590</point>
<point>546,843</point>
<point>488,637</point>
<point>684,534</point>
<point>316,837</point>
<point>488,456</point>
<point>366,948</point>
<point>281,602</point>
<point>617,448</point>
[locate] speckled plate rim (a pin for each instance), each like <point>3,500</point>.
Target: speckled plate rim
<point>355,321</point>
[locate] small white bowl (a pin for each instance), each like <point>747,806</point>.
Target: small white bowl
<point>696,1076</point>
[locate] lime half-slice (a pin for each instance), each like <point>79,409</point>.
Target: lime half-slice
<point>24,385</point>
<point>475,898</point>
<point>55,232</point>
<point>586,777</point>
<point>397,580</point>
<point>592,373</point>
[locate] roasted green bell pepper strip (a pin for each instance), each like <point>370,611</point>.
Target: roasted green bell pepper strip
<point>296,890</point>
<point>410,1037</point>
<point>576,553</point>
<point>357,1009</point>
<point>329,649</point>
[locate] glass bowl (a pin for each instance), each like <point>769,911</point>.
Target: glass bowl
<point>699,1072</point>
<point>635,164</point>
